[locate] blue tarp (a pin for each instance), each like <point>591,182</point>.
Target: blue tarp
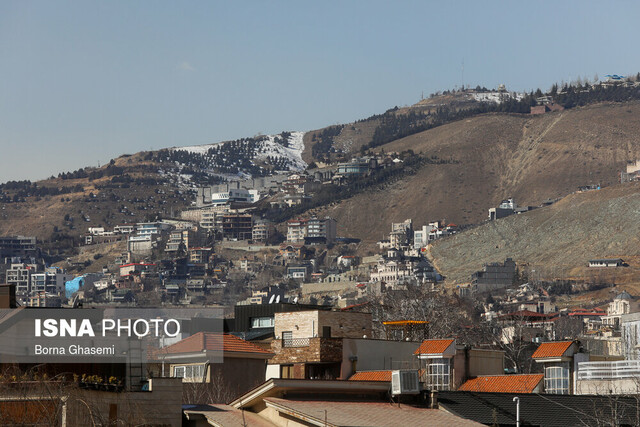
<point>73,286</point>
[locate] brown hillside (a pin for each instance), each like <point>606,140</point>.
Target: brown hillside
<point>530,158</point>
<point>557,241</point>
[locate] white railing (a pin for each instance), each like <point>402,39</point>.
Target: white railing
<point>609,370</point>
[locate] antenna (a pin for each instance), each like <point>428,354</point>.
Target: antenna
<point>463,74</point>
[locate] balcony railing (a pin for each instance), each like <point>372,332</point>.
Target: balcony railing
<point>295,342</point>
<point>609,370</point>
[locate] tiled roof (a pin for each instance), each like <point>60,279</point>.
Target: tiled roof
<point>433,346</point>
<point>552,349</point>
<point>371,376</point>
<point>203,341</point>
<point>503,383</point>
<point>359,413</point>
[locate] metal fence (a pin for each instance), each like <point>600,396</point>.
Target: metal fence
<point>609,370</point>
<point>295,342</point>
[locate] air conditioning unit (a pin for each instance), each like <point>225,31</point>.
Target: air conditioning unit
<point>405,382</point>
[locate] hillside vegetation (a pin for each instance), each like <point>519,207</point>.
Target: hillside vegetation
<point>493,157</point>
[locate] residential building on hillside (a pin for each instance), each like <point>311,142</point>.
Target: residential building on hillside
<point>17,246</point>
<point>237,226</point>
<point>494,276</point>
<point>615,262</point>
<point>262,231</point>
<point>622,304</point>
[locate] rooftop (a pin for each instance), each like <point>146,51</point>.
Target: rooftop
<point>434,346</point>
<point>212,341</point>
<point>503,383</point>
<point>552,349</point>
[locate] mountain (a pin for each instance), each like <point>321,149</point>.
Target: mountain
<point>473,160</point>
<point>556,241</point>
<point>493,157</point>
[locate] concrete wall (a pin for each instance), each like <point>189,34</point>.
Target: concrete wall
<point>375,355</point>
<point>605,387</point>
<point>328,288</point>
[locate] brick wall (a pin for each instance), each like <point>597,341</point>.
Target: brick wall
<point>318,350</point>
<point>308,324</point>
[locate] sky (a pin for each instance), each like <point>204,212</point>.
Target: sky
<point>83,82</point>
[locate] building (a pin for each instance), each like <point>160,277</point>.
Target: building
<point>17,246</point>
<point>622,304</point>
<point>220,360</point>
<point>321,231</point>
<point>619,377</point>
<point>43,299</point>
<point>287,403</point>
<point>353,167</point>
<point>560,363</point>
<point>309,344</point>
<point>150,228</point>
<point>617,262</point>
<point>296,230</point>
<point>262,231</point>
<point>207,196</point>
<point>237,226</point>
<point>507,207</point>
<point>19,275</point>
<point>494,276</point>
<point>183,240</point>
<point>445,366</point>
<point>136,269</point>
<point>51,281</point>
<point>141,245</point>
<point>199,255</point>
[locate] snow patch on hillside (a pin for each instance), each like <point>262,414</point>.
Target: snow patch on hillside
<point>293,152</point>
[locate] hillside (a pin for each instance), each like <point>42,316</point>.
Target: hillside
<point>496,156</point>
<point>556,241</point>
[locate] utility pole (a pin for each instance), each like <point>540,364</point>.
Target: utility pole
<point>463,74</point>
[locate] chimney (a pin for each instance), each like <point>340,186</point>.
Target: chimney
<point>8,296</point>
<point>433,399</point>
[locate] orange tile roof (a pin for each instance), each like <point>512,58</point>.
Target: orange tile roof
<point>503,383</point>
<point>202,341</point>
<point>552,349</point>
<point>433,346</point>
<point>371,376</point>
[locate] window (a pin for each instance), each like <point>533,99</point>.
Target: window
<point>189,372</point>
<point>438,374</point>
<point>286,371</point>
<point>556,379</point>
<point>326,331</point>
<point>287,338</point>
<point>262,322</point>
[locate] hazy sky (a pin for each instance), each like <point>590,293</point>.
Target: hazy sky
<point>82,82</point>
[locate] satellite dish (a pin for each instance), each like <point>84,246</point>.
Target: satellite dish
<point>278,299</point>
<point>271,299</point>
<point>295,300</point>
